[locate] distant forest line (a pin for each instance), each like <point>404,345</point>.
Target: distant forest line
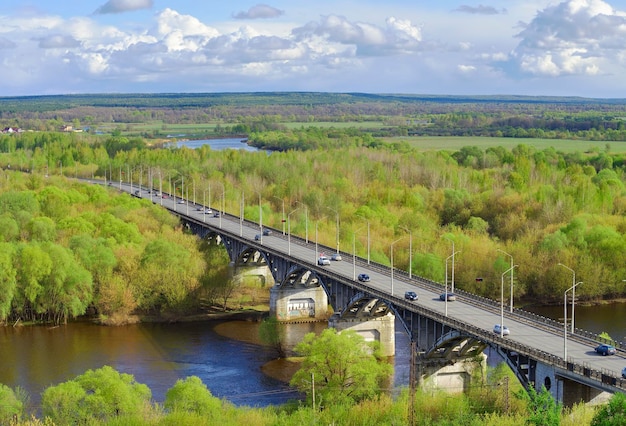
<point>154,116</point>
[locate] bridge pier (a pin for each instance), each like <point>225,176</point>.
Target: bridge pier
<point>562,388</point>
<point>298,303</point>
<point>381,329</point>
<point>251,273</point>
<point>450,376</point>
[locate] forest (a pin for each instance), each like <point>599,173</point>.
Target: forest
<point>541,207</point>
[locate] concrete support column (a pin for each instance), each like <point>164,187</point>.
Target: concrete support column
<point>381,329</point>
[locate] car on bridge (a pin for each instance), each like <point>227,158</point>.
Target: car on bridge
<point>605,349</point>
<point>505,330</point>
<point>624,373</point>
<point>410,295</point>
<point>266,232</point>
<point>450,296</point>
<point>257,237</point>
<point>323,260</point>
<point>363,278</point>
<point>336,257</point>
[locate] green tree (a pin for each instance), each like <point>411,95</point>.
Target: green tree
<point>613,413</point>
<point>341,367</point>
<point>191,395</point>
<point>97,395</point>
<point>11,407</point>
<point>8,279</point>
<point>543,410</point>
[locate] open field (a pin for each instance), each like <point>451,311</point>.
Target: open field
<point>454,143</point>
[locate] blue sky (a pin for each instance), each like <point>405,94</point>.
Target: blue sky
<point>505,47</point>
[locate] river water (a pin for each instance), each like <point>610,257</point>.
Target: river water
<point>217,144</point>
<point>225,355</point>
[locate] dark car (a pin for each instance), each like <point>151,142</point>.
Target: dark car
<point>216,214</point>
<point>364,278</point>
<point>410,295</point>
<point>450,296</point>
<point>266,232</point>
<point>605,349</point>
<point>257,237</point>
<point>624,373</point>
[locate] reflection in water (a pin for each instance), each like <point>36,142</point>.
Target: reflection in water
<point>609,318</point>
<point>226,356</point>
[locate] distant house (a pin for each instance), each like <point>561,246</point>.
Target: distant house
<point>12,130</point>
<point>67,128</point>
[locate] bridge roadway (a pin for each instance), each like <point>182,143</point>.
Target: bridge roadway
<point>542,337</point>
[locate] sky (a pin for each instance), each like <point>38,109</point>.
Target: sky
<point>443,47</point>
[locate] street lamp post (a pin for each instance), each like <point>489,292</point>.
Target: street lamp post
<point>410,250</point>
<point>453,253</point>
<point>392,262</point>
<point>502,299</point>
<point>306,221</point>
<point>354,253</point>
<point>289,230</point>
<point>241,204</point>
<point>283,219</point>
<point>260,217</point>
<point>573,288</point>
<point>337,226</point>
<point>510,269</point>
<point>446,291</point>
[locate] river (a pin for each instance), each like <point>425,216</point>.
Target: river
<point>225,355</point>
<point>217,144</point>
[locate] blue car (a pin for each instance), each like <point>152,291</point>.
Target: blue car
<point>605,350</point>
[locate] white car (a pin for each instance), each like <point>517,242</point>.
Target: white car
<point>505,330</point>
<point>323,260</point>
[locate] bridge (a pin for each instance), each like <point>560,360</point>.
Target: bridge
<point>540,351</point>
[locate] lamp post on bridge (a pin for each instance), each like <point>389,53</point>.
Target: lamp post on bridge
<point>573,287</point>
<point>316,244</point>
<point>502,299</point>
<point>337,225</point>
<point>260,217</point>
<point>510,269</point>
<point>306,221</point>
<point>446,285</point>
<point>283,219</point>
<point>410,249</point>
<point>392,262</point>
<point>453,253</point>
<point>289,229</point>
<point>354,253</point>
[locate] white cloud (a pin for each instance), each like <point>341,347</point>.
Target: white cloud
<point>398,36</point>
<point>575,37</point>
<point>121,6</point>
<point>260,11</point>
<point>466,68</point>
<point>58,41</point>
<point>480,10</point>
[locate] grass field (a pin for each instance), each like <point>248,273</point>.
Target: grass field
<point>455,143</point>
